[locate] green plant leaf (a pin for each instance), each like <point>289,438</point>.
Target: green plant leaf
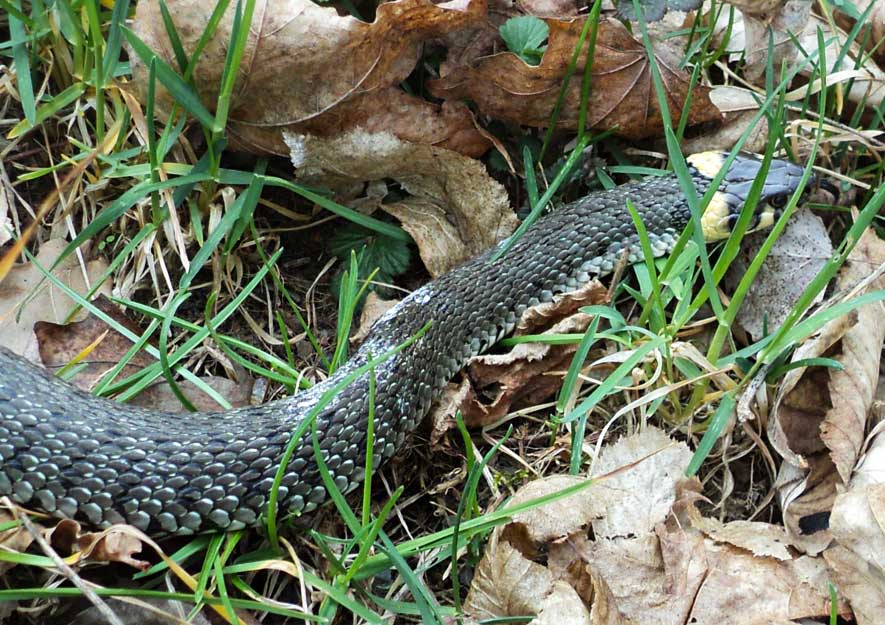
<point>375,251</point>
<point>524,36</point>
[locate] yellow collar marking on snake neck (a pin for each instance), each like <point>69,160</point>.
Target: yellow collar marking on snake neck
<point>708,163</point>
<point>715,220</point>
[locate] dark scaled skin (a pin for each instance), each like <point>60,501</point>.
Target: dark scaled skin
<point>70,454</point>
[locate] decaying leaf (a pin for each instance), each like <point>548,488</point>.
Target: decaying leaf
<point>111,545</point>
<point>19,310</point>
<point>61,344</point>
<point>794,261</point>
<point>16,539</point>
<point>456,210</point>
<point>793,30</point>
<point>672,566</point>
<point>301,41</point>
<point>495,383</point>
<point>821,414</point>
<point>858,528</point>
<point>738,108</point>
<point>622,98</point>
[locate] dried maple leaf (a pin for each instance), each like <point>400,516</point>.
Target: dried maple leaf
<point>622,95</point>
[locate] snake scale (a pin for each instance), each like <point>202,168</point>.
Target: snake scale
<point>73,455</point>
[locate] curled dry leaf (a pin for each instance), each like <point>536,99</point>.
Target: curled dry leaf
<point>822,411</point>
<point>793,29</point>
<point>794,261</point>
<point>622,98</point>
<point>301,41</point>
<point>858,527</point>
<point>493,384</point>
<point>19,310</point>
<point>725,574</point>
<point>110,545</point>
<point>456,210</point>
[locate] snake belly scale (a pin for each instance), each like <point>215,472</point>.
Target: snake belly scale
<point>72,455</point>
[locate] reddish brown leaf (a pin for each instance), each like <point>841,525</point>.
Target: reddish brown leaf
<point>622,96</point>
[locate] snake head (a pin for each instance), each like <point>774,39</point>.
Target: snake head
<point>722,213</point>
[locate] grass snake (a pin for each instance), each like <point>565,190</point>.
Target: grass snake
<point>73,455</point>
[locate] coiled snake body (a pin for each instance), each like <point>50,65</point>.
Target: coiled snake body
<point>73,455</point>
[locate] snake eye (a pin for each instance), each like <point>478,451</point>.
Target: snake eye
<point>779,200</point>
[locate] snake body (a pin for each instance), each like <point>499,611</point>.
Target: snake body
<point>73,455</point>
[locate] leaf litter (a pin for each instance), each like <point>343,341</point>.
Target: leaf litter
<point>640,525</point>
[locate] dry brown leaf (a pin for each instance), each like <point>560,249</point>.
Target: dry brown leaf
<point>559,518</point>
<point>659,570</point>
<point>738,108</point>
<point>60,344</point>
<point>493,384</point>
<point>19,311</point>
<point>794,31</point>
<point>301,41</point>
<point>820,414</point>
<point>860,581</point>
<point>636,500</point>
<point>806,497</point>
<point>17,539</point>
<point>456,210</point>
<point>373,308</point>
<point>760,539</point>
<point>504,87</point>
<point>111,545</point>
<point>686,578</point>
<point>857,561</point>
<point>794,261</point>
<point>450,125</point>
<point>562,605</point>
<point>506,583</point>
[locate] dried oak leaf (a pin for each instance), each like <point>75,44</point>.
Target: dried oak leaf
<point>456,210</point>
<point>303,42</point>
<point>622,96</point>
